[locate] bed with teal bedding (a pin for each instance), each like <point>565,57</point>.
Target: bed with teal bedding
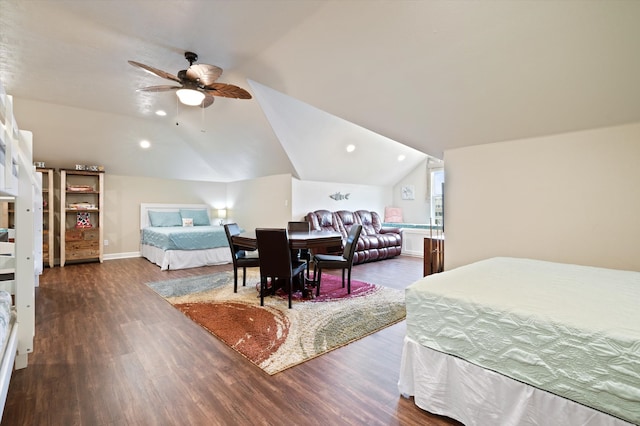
<point>180,236</point>
<point>569,331</point>
<point>185,237</point>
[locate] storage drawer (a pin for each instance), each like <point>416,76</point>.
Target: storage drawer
<point>82,254</point>
<point>81,245</point>
<point>91,234</point>
<point>73,235</point>
<point>82,234</point>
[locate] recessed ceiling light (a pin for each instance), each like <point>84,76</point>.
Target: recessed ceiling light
<point>351,148</point>
<point>161,113</point>
<point>401,157</point>
<point>144,144</point>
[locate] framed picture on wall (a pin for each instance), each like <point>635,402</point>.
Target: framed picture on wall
<point>408,192</point>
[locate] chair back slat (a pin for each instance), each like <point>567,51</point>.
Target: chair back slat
<point>303,226</point>
<point>275,255</point>
<point>352,242</point>
<point>232,229</point>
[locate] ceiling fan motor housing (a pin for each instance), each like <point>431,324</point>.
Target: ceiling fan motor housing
<point>191,57</point>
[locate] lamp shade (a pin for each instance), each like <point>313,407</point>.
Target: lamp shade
<point>222,213</point>
<point>190,97</point>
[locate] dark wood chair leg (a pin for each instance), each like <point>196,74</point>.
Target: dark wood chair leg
<point>318,278</point>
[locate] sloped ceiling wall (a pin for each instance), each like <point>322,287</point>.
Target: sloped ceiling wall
<point>431,75</point>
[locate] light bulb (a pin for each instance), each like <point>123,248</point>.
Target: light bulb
<point>190,96</point>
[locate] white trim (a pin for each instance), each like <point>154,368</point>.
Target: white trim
<point>125,255</point>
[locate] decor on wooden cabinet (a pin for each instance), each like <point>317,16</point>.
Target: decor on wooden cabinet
<point>81,215</point>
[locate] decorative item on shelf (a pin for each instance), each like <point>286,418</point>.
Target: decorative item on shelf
<point>83,220</point>
<point>339,196</point>
<point>222,215</point>
<point>408,192</point>
<point>89,168</point>
<point>80,188</point>
<point>81,206</point>
<point>39,164</point>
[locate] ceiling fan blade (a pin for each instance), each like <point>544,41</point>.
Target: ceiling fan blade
<point>158,88</point>
<point>208,101</point>
<point>203,73</point>
<point>227,91</point>
<point>155,71</point>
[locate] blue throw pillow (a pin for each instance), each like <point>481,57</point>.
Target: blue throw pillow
<point>165,218</point>
<point>200,217</point>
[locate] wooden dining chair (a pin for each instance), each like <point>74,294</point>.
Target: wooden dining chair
<point>238,256</point>
<point>344,261</point>
<point>275,260</point>
<point>302,254</point>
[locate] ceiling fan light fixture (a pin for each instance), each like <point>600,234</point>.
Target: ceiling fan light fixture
<point>190,97</point>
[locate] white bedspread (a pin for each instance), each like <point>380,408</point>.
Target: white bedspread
<point>567,329</point>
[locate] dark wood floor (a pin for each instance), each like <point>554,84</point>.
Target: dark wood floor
<point>109,351</point>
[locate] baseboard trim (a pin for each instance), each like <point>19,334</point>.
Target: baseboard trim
<point>126,255</point>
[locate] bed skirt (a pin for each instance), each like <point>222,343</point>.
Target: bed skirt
<point>183,259</point>
<point>449,386</point>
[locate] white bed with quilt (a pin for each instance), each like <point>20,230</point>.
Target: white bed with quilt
<point>510,341</point>
<point>180,236</point>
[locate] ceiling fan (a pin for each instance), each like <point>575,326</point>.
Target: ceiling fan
<point>197,83</point>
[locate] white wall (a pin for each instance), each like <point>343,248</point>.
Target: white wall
<point>571,198</point>
<point>309,196</point>
<point>124,194</point>
<point>418,209</point>
<point>262,202</point>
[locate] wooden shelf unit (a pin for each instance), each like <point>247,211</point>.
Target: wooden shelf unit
<point>48,221</point>
<point>78,243</point>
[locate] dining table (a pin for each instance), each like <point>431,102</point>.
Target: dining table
<point>318,241</point>
<point>298,240</point>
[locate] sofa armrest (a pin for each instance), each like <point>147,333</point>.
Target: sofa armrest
<point>390,231</point>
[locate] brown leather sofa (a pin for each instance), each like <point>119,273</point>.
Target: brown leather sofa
<point>375,242</point>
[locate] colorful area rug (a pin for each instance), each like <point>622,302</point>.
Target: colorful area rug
<point>274,337</point>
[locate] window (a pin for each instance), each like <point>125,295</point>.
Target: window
<point>437,189</point>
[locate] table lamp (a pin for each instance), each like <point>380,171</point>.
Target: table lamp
<point>222,215</point>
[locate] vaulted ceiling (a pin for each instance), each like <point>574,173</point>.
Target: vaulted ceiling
<point>410,78</point>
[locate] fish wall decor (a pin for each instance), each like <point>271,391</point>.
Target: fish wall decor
<point>339,196</point>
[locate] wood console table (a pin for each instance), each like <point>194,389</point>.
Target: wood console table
<point>433,255</point>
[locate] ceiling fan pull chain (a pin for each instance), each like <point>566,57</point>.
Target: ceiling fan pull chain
<point>177,111</point>
<point>202,129</point>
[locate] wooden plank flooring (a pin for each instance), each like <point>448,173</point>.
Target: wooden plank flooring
<point>109,351</point>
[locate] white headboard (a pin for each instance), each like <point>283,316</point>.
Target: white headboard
<point>145,207</point>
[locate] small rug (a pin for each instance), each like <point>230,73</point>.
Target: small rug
<point>272,336</point>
